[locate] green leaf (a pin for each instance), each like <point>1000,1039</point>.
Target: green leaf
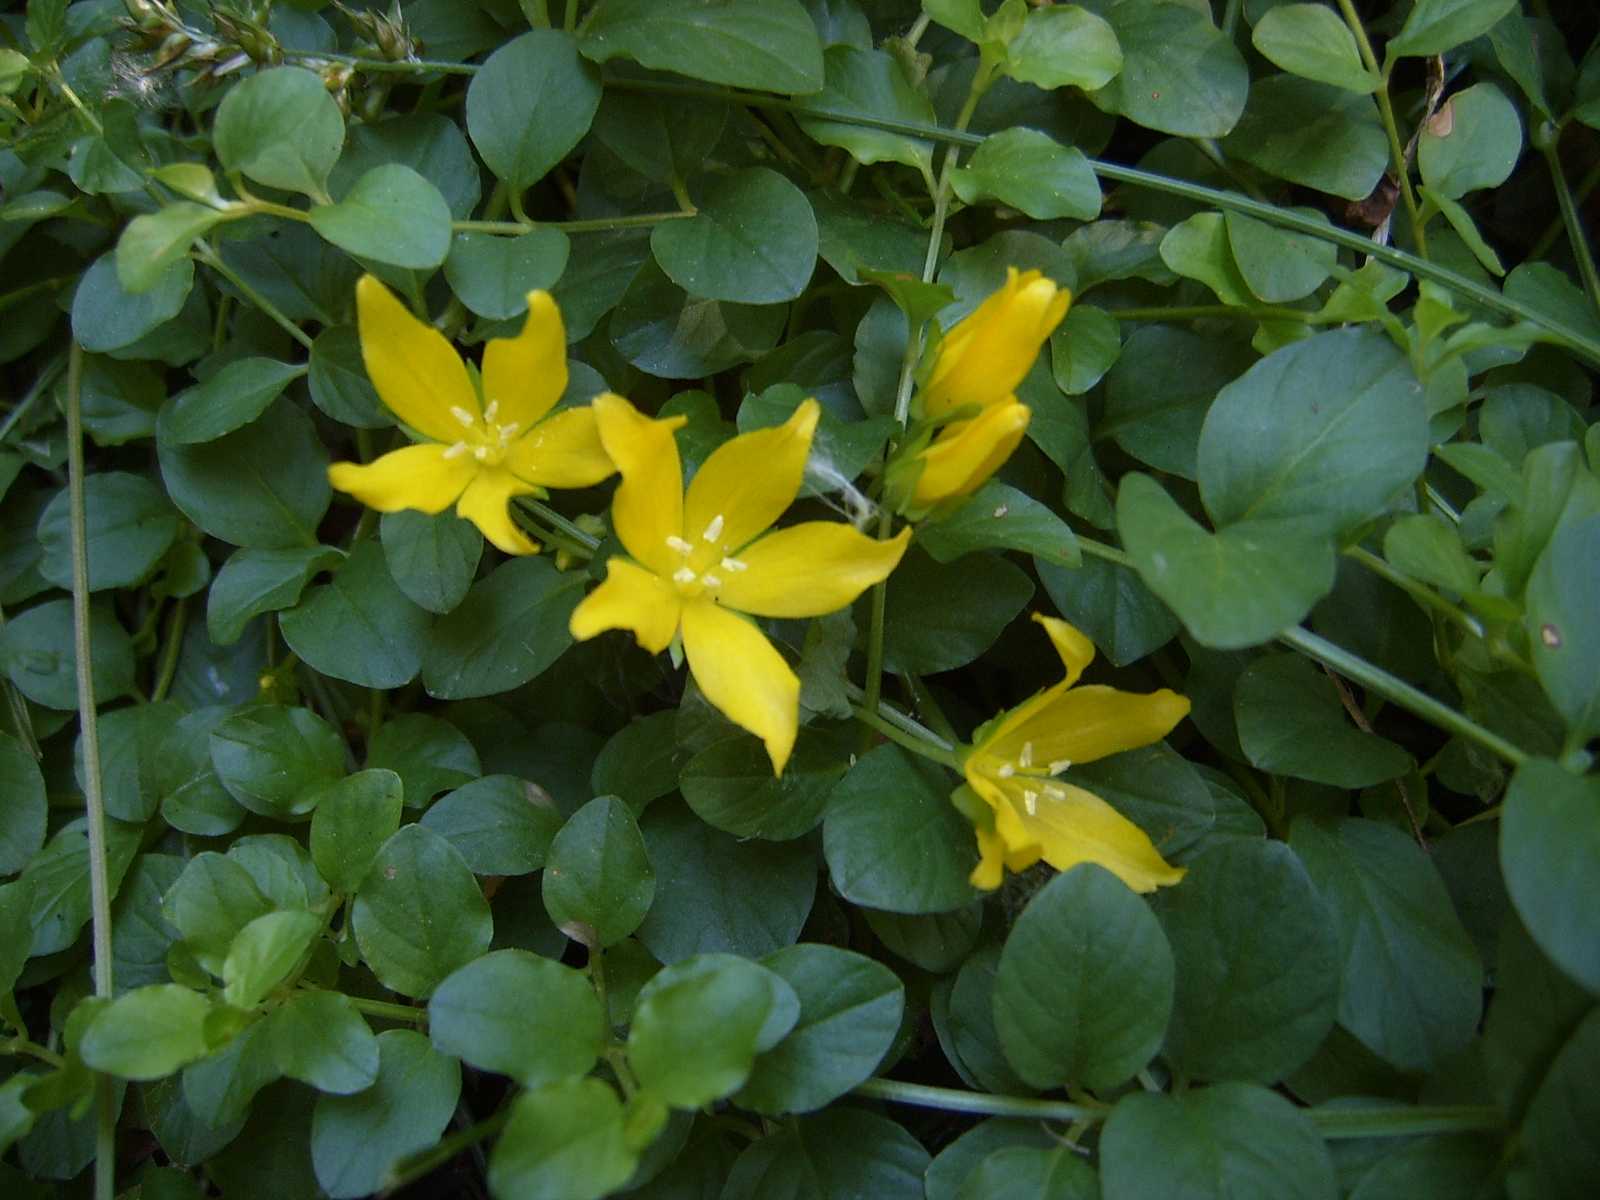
<point>264,952</point>
<point>501,825</point>
<point>152,242</point>
<point>769,45</point>
<point>1030,171</point>
<point>493,275</point>
<point>1291,722</point>
<point>873,84</point>
<point>1313,42</point>
<point>519,1015</point>
<point>264,486</point>
<point>39,655</point>
<point>223,1085</point>
<point>106,316</point>
<point>730,786</point>
<point>717,893</point>
<point>1085,983</point>
<point>598,882</point>
<point>850,236</point>
<point>356,1140</point>
<point>840,1154</point>
<point>1472,142</point>
<point>1238,587</point>
<point>281,128</point>
<point>276,760</point>
<point>1257,964</point>
<point>1326,431</point>
<point>1550,853</point>
<point>753,240</point>
<point>1083,348</point>
<point>24,814</point>
<point>998,516</point>
<point>664,331</point>
<point>1023,1173</point>
<point>530,103</point>
<point>1277,265</point>
<point>320,1039</point>
<point>419,915</point>
<point>850,1010</point>
<point>147,1033</point>
<point>700,1023</point>
<point>511,627</point>
<point>432,558</point>
<point>1410,985</point>
<point>210,903</point>
<point>128,528</point>
<point>359,627</point>
<point>1426,547</point>
<point>430,755</point>
<point>564,1141</point>
<point>1064,46</point>
<point>354,817</point>
<point>1198,249</point>
<point>1435,26</point>
<point>1564,635</point>
<point>1314,134</point>
<point>232,398</point>
<point>1180,74</point>
<point>965,17</point>
<point>894,841</point>
<point>1111,604</point>
<point>641,761</point>
<point>392,215</point>
<point>253,582</point>
<point>338,381</point>
<point>1231,1140</point>
<point>962,1009</point>
<point>1556,1131</point>
<point>944,616</point>
<point>664,143</point>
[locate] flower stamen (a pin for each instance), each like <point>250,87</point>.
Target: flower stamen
<point>463,416</point>
<point>1025,759</point>
<point>714,529</point>
<point>489,413</point>
<point>1006,771</point>
<point>733,564</point>
<point>674,542</point>
<point>1030,801</point>
<point>456,451</point>
<point>711,581</point>
<point>684,575</point>
<point>1059,765</point>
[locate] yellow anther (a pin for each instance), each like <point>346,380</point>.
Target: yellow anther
<point>674,542</point>
<point>714,530</point>
<point>733,564</point>
<point>463,416</point>
<point>456,451</point>
<point>684,575</point>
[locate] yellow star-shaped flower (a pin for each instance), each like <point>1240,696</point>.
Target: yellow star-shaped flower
<point>1015,760</point>
<point>488,439</point>
<point>700,559</point>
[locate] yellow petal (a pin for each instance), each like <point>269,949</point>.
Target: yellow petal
<point>807,570</point>
<point>562,451</point>
<point>648,506</point>
<point>747,482</point>
<point>418,477</point>
<point>990,871</point>
<point>485,504</point>
<point>1080,827</point>
<point>1091,722</point>
<point>964,455</point>
<point>526,375</point>
<point>630,598</point>
<point>1076,652</point>
<point>417,372</point>
<point>743,676</point>
<point>985,357</point>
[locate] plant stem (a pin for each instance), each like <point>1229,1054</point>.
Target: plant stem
<point>425,1162</point>
<point>904,722</point>
<point>167,669</point>
<point>415,66</point>
<point>1375,679</point>
<point>388,1011</point>
<point>204,252</point>
<point>1419,592</point>
<point>1573,223</point>
<point>589,225</point>
<point>1194,312</point>
<point>1558,226</point>
<point>900,738</point>
<point>955,1100</point>
<point>105,1141</point>
<point>574,531</point>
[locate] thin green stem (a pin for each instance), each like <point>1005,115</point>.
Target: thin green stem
<point>1557,227</point>
<point>1574,224</point>
<point>954,1100</point>
<point>1420,592</point>
<point>21,1046</point>
<point>1377,680</point>
<point>1100,550</point>
<point>204,252</point>
<point>388,1011</point>
<point>905,740</point>
<point>409,1170</point>
<point>905,722</point>
<point>105,1153</point>
<point>1397,150</point>
<point>1400,1121</point>
<point>879,608</point>
<point>588,225</point>
<point>383,66</point>
<point>22,407</point>
<point>572,530</point>
<point>1195,312</point>
<point>167,668</point>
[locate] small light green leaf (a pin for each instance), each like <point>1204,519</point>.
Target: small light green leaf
<point>320,1039</point>
<point>1279,266</point>
<point>392,215</point>
<point>870,83</point>
<point>212,900</point>
<point>106,316</point>
<point>1198,249</point>
<point>1435,26</point>
<point>281,128</point>
<point>1472,142</point>
<point>1313,134</point>
<point>998,516</point>
<point>354,817</point>
<point>1064,46</point>
<point>530,103</point>
<point>752,241</point>
<point>564,1141</point>
<point>1032,172</point>
<point>147,1033</point>
<point>233,397</point>
<point>264,952</point>
<point>1426,547</point>
<point>275,761</point>
<point>152,242</point>
<point>1083,348</point>
<point>598,883</point>
<point>770,45</point>
<point>1311,41</point>
<point>1180,74</point>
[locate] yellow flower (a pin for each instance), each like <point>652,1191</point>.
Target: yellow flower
<point>980,362</point>
<point>1015,760</point>
<point>488,441</point>
<point>698,560</point>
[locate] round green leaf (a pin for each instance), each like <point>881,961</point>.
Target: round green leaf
<point>841,1154</point>
<point>106,316</point>
<point>147,1033</point>
<point>564,1141</point>
<point>1557,1132</point>
<point>430,143</point>
<point>281,128</point>
<point>1085,983</point>
<point>392,215</point>
<point>1278,266</point>
<point>356,1140</point>
<point>1085,346</point>
<point>700,1023</point>
<point>962,1008</point>
<point>264,952</point>
<point>431,558</point>
<point>228,400</point>
<point>339,384</point>
<point>661,142</point>
<point>39,655</point>
<point>941,616</point>
<point>1180,74</point>
<point>320,1039</point>
<point>419,914</point>
<point>1216,1143</point>
<point>493,275</point>
<point>1030,171</point>
<point>520,1015</point>
<point>1472,142</point>
<point>153,242</point>
<point>212,900</point>
<point>753,241</point>
<point>894,841</point>
<point>1550,853</point>
<point>501,824</point>
<point>430,755</point>
<point>128,527</point>
<point>641,761</point>
<point>936,942</point>
<point>359,627</point>
<point>1313,42</point>
<point>730,785</point>
<point>253,582</point>
<point>353,819</point>
<point>511,626</point>
<point>529,104</point>
<point>873,84</point>
<point>1314,134</point>
<point>1564,635</point>
<point>1112,604</point>
<point>769,45</point>
<point>1435,26</point>
<point>1257,964</point>
<point>664,331</point>
<point>1064,46</point>
<point>24,813</point>
<point>1023,1173</point>
<point>275,761</point>
<point>598,883</point>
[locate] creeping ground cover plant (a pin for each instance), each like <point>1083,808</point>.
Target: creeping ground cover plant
<point>817,598</point>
